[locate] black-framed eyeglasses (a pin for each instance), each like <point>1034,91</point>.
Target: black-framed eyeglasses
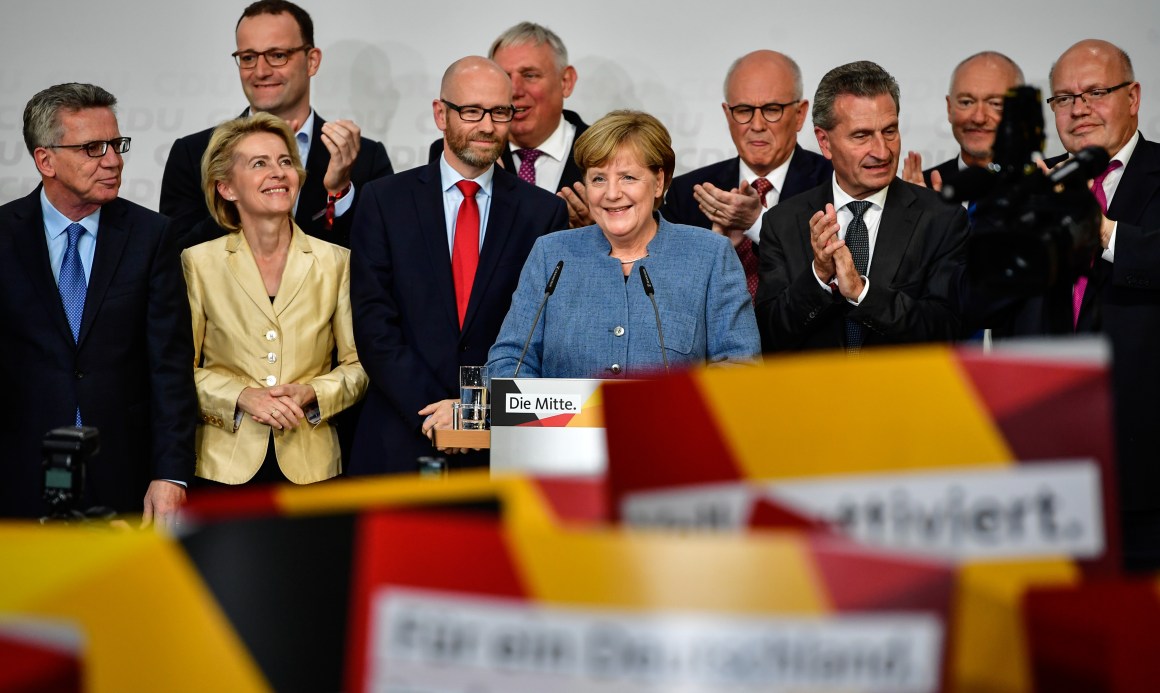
<point>1090,96</point>
<point>98,148</point>
<point>275,57</point>
<point>474,114</point>
<point>772,112</point>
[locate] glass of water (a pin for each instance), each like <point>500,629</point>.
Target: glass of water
<point>473,400</point>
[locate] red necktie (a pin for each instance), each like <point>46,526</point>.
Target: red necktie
<point>465,252</point>
<point>1082,282</point>
<point>762,186</point>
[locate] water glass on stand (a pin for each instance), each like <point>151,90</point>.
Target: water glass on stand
<point>473,399</point>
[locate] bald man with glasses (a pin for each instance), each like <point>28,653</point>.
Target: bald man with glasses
<point>764,110</point>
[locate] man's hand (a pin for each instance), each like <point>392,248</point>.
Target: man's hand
<point>341,138</point>
<point>846,275</point>
<point>276,411</point>
<point>912,169</point>
<point>825,242</point>
<point>439,415</point>
<point>162,501</point>
<point>1107,226</point>
<point>729,210</point>
<point>578,212</point>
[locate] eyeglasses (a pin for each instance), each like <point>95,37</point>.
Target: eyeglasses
<point>772,112</point>
<point>474,114</point>
<point>1090,96</point>
<point>275,57</point>
<point>97,149</point>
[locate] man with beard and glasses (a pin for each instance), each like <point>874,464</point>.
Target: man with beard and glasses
<point>436,255</point>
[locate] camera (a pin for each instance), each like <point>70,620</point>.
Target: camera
<point>66,453</point>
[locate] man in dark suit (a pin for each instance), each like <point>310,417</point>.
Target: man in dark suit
<point>974,109</point>
<point>541,136</point>
<point>436,255</point>
<point>865,259</point>
<point>276,59</point>
<point>96,326</point>
<point>764,110</point>
<point>1096,101</point>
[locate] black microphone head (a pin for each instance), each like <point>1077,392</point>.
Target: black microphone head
<point>551,287</point>
<point>1094,159</point>
<point>971,183</point>
<point>644,279</point>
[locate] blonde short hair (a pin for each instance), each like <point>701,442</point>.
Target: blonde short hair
<point>636,129</point>
<point>218,161</point>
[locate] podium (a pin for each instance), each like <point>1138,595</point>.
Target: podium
<point>548,426</point>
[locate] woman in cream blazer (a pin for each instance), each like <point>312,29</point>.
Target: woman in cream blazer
<point>270,306</point>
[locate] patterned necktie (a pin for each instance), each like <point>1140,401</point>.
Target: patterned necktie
<point>465,250</point>
<point>73,286</point>
<point>528,164</point>
<point>762,186</point>
<point>1081,284</point>
<point>858,241</point>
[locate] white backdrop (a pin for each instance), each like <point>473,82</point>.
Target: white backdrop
<point>169,63</point>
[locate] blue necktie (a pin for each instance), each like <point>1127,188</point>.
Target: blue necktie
<point>73,286</point>
<point>858,241</point>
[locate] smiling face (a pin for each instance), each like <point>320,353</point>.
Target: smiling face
<point>263,182</point>
<point>863,144</point>
<point>1108,122</point>
<point>622,194</point>
<point>539,88</point>
<point>283,91</point>
<point>78,184</point>
<point>472,147</point>
<point>759,79</point>
<point>975,105</point>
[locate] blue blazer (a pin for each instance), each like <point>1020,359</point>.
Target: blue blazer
<point>403,298</point>
<point>597,325</point>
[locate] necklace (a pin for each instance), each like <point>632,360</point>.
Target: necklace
<point>629,262</point>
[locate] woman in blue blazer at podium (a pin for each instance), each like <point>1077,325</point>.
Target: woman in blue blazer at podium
<point>600,321</point>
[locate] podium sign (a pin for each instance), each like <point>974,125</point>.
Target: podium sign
<point>548,426</point>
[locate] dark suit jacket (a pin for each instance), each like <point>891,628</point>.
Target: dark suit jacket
<point>571,174</point>
<point>406,325</point>
<point>946,169</point>
<point>183,202</point>
<point>131,373</point>
<point>806,171</point>
<point>914,274</point>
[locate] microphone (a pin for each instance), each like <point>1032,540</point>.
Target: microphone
<point>648,290</point>
<point>548,290</point>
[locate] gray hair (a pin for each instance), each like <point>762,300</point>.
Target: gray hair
<point>793,67</point>
<point>42,125</point>
<point>526,33</point>
<point>994,55</point>
<point>862,78</point>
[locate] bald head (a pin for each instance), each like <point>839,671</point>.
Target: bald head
<point>992,62</point>
<point>467,70</point>
<point>975,102</point>
<point>1109,118</point>
<point>771,65</point>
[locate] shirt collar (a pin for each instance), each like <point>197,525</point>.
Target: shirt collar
<point>556,146</point>
<point>1125,152</point>
<point>449,177</point>
<point>776,177</point>
<point>56,223</point>
<point>841,199</point>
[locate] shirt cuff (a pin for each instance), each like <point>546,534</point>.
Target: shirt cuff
<point>823,284</point>
<point>865,289</point>
<point>182,484</point>
<point>1109,253</point>
<point>343,204</point>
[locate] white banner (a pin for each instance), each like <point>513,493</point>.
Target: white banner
<point>1026,510</point>
<point>429,641</point>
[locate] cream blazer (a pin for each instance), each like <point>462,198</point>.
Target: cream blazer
<point>243,340</point>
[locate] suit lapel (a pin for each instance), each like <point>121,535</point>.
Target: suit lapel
<point>797,179</point>
<point>299,260</point>
<point>500,219</point>
<point>32,250</point>
<point>899,220</point>
<point>819,197</point>
<point>1140,183</point>
<point>244,269</point>
<point>312,198</point>
<point>112,236</point>
<point>428,198</point>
